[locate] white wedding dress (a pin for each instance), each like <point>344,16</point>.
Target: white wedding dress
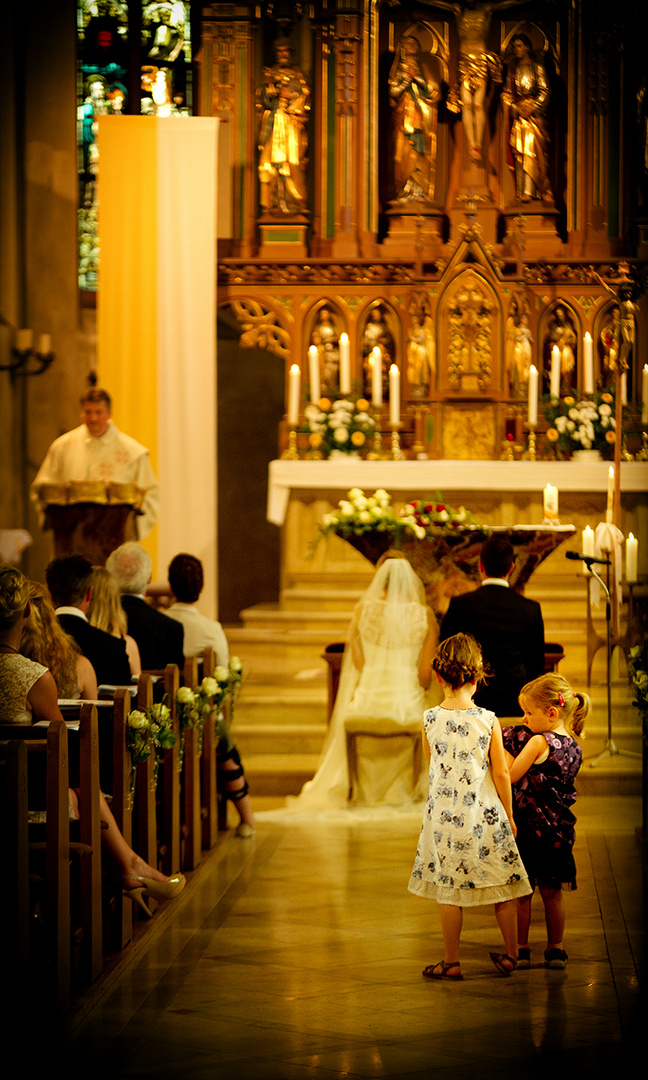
<point>379,684</point>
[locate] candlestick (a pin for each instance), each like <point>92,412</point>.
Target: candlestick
<point>550,502</point>
<point>609,513</point>
<point>394,395</point>
<point>533,395</point>
<point>587,544</point>
<point>555,372</point>
<point>294,378</point>
<point>345,365</point>
<point>314,374</point>
<point>624,388</point>
<point>588,365</point>
<point>631,558</point>
<point>376,376</point>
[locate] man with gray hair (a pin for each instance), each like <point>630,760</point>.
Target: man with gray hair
<point>159,639</point>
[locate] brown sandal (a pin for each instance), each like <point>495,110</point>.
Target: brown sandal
<point>501,960</point>
<point>440,971</point>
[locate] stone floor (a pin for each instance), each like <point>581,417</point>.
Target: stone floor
<point>297,955</point>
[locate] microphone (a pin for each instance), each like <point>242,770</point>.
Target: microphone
<point>588,559</point>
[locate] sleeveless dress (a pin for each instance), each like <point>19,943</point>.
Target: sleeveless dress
<point>541,804</point>
<point>466,854</point>
<point>385,692</point>
<point>17,676</point>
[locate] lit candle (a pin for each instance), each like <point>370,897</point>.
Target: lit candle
<point>345,365</point>
<point>24,340</point>
<point>555,372</point>
<point>533,395</point>
<point>376,376</point>
<point>609,516</point>
<point>394,395</point>
<point>631,558</point>
<point>588,365</point>
<point>294,376</point>
<point>314,374</point>
<point>587,540</point>
<point>44,346</point>
<point>644,395</point>
<point>550,502</point>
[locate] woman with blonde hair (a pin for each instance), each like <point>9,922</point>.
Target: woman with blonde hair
<point>45,641</point>
<point>106,613</point>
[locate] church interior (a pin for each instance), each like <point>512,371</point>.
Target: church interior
<point>235,216</point>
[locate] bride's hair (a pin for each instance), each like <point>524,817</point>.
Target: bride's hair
<point>458,661</point>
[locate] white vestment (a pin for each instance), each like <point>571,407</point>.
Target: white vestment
<point>113,456</point>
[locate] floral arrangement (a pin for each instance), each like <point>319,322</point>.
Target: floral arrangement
<point>360,513</point>
<point>439,515</point>
<point>639,680</point>
<point>148,731</point>
<point>581,423</point>
<point>338,428</point>
<point>194,706</point>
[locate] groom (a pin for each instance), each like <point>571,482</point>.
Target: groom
<point>508,627</point>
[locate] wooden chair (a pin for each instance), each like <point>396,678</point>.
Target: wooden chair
<point>359,728</point>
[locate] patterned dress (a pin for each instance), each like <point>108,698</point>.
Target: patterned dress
<point>466,853</point>
<point>541,805</point>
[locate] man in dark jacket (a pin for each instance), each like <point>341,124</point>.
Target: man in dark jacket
<point>69,580</point>
<point>159,638</point>
<point>508,627</point>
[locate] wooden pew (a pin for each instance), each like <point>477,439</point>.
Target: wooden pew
<point>192,808</point>
<point>14,859</point>
<point>145,823</point>
<point>169,787</point>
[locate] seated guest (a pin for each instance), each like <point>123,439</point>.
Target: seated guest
<point>45,641</point>
<point>158,638</point>
<point>69,580</point>
<point>508,627</point>
<point>200,633</point>
<point>107,613</point>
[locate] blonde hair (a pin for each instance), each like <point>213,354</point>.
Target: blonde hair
<point>553,691</point>
<point>45,641</point>
<point>105,610</point>
<point>458,660</point>
<point>14,596</point>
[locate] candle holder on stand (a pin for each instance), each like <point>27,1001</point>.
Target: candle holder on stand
<point>395,453</point>
<point>376,453</point>
<point>419,413</point>
<point>291,453</point>
<point>531,452</point>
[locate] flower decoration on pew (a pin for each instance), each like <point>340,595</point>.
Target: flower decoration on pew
<point>639,679</point>
<point>436,515</point>
<point>194,706</point>
<point>338,428</point>
<point>149,731</point>
<point>581,422</point>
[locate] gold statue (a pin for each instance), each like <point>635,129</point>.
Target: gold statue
<point>526,97</point>
<point>414,92</point>
<point>284,102</point>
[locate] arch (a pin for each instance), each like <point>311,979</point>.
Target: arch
<point>605,340</point>
<point>323,324</point>
<point>470,335</point>
<point>560,325</point>
<point>379,326</point>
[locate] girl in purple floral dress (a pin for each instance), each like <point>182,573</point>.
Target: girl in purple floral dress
<point>544,759</point>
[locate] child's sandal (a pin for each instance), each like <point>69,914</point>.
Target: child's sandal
<point>440,971</point>
<point>501,960</point>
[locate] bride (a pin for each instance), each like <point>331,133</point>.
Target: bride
<point>385,673</point>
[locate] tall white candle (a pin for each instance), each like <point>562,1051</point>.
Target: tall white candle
<point>394,395</point>
<point>588,365</point>
<point>587,543</point>
<point>631,558</point>
<point>314,374</point>
<point>44,346</point>
<point>624,388</point>
<point>609,514</point>
<point>376,376</point>
<point>24,340</point>
<point>345,365</point>
<point>533,395</point>
<point>644,395</point>
<point>555,372</point>
<point>294,378</point>
<point>550,502</point>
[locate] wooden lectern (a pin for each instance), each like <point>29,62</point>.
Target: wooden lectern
<point>90,517</point>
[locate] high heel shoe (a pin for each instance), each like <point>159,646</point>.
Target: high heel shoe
<point>157,890</point>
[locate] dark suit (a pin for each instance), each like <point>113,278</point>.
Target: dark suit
<point>510,630</point>
<point>160,639</point>
<point>106,653</point>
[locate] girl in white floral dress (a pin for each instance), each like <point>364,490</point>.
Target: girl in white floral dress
<point>467,855</point>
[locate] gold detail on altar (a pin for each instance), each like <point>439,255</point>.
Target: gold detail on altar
<point>469,432</point>
<point>260,327</point>
<point>470,344</point>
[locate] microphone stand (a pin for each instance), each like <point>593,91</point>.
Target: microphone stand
<point>610,749</point>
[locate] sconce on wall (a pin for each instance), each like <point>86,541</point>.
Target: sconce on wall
<point>23,352</point>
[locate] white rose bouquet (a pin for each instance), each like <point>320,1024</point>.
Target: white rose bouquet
<point>338,428</point>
